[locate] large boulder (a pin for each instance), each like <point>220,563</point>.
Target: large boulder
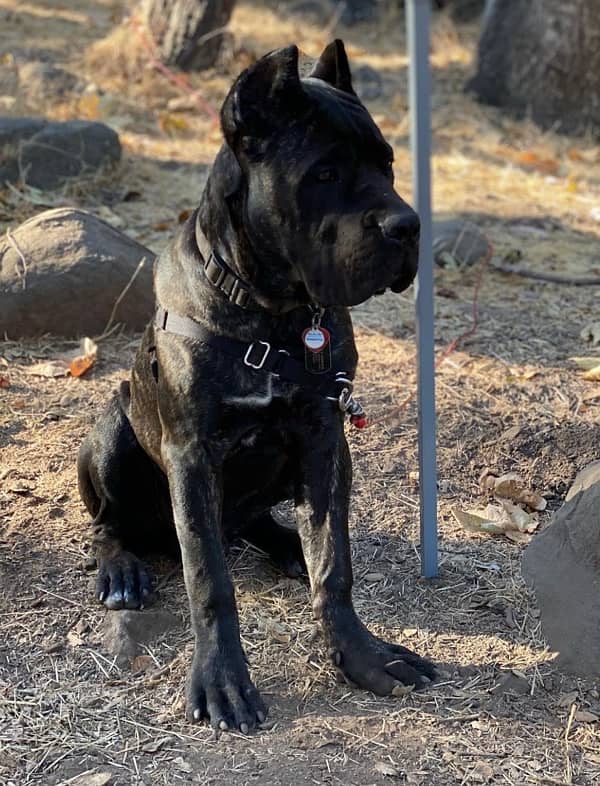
<point>62,272</point>
<point>563,566</point>
<point>46,155</point>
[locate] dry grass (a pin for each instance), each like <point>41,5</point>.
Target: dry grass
<point>65,706</point>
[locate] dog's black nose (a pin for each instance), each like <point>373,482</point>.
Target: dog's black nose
<point>401,227</point>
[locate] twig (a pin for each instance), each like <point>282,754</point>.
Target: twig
<point>125,290</point>
<point>335,18</point>
<point>568,770</point>
<point>22,275</point>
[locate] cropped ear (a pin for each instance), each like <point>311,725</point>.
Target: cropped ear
<point>264,97</point>
<point>333,67</point>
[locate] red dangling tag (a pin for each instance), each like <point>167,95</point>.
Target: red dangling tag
<point>359,421</point>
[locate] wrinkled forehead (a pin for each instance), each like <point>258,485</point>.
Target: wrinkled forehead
<point>346,117</point>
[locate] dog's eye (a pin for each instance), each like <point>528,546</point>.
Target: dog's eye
<point>327,175</point>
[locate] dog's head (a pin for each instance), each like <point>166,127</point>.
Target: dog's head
<point>316,183</point>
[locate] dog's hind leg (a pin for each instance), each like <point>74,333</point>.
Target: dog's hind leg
<point>279,542</point>
<point>111,470</point>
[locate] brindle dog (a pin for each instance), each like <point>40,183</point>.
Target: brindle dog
<point>231,409</point>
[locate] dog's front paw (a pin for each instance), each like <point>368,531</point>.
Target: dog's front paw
<point>379,666</point>
<point>220,690</point>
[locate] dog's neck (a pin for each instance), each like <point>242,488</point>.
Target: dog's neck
<point>222,200</point>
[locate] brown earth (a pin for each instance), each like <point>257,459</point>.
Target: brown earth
<point>509,398</point>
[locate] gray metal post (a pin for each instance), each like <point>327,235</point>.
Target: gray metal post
<point>418,13</point>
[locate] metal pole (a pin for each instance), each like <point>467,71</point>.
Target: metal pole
<point>418,13</point>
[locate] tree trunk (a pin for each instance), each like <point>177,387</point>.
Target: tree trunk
<point>187,32</point>
<point>542,58</point>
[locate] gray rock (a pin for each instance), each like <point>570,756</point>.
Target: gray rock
<point>60,151</point>
<point>123,632</point>
<point>458,243</point>
<point>39,81</point>
<point>73,268</point>
<point>511,683</point>
<point>13,132</point>
<point>563,565</point>
<point>44,155</point>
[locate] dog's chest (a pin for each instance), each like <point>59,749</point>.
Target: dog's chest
<point>256,391</point>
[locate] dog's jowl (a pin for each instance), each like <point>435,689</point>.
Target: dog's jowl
<point>243,381</point>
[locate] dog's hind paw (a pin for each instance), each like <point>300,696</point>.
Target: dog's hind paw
<point>123,582</point>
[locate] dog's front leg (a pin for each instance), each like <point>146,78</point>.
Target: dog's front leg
<point>219,687</point>
<point>322,499</point>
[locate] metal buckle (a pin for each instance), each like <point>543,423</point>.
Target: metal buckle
<point>264,357</point>
<point>210,264</point>
<point>345,400</point>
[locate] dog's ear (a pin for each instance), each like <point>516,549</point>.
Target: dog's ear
<point>333,67</point>
<point>264,97</point>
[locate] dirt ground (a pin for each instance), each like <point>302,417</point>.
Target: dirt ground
<point>509,398</point>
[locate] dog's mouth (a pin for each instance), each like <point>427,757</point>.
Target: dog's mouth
<point>399,285</point>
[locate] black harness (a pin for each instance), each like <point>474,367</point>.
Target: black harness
<point>335,386</point>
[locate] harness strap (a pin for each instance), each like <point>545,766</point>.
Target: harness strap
<point>260,356</point>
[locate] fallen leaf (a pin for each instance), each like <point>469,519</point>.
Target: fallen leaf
<point>402,690</point>
<point>4,382</point>
<point>142,663</point>
<point>593,375</point>
<point>519,518</point>
<point>155,745</point>
<point>522,375</point>
<point>572,184</point>
<point>590,395</point>
<point>387,770</point>
<point>476,521</point>
<point>408,632</point>
<point>512,486</point>
<point>511,433</point>
<point>20,487</point>
<point>586,363</point>
<point>518,537</point>
<point>79,365</point>
<point>92,779</point>
<point>172,124</point>
<point>574,154</point>
<point>49,368</point>
<point>279,632</point>
<point>88,106</point>
<point>74,639</point>
<point>482,772</point>
<point>583,716</point>
<point>75,363</point>
<point>531,160</point>
<point>182,764</point>
<point>568,698</point>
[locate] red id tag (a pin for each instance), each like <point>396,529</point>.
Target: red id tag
<point>317,350</point>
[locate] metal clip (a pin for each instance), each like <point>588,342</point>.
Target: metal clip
<point>261,362</point>
<point>317,316</point>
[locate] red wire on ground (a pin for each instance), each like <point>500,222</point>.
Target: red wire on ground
<point>178,80</point>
